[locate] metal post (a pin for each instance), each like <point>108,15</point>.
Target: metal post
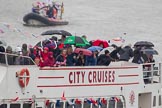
<point>152,70</point>
<point>159,72</point>
<point>91,105</point>
<point>64,104</point>
<point>107,105</point>
<point>54,105</point>
<point>6,60</point>
<point>115,104</point>
<point>82,103</point>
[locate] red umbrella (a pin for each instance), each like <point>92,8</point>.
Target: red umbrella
<point>99,42</point>
<point>85,51</point>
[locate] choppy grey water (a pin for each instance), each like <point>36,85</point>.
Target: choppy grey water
<point>104,19</point>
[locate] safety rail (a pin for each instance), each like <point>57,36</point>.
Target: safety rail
<point>84,102</point>
<point>100,102</point>
<point>14,59</point>
<point>152,73</point>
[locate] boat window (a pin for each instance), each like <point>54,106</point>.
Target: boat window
<point>87,105</point>
<point>3,106</point>
<point>103,105</point>
<point>69,105</point>
<point>2,58</point>
<point>51,105</point>
<point>159,100</point>
<point>111,104</point>
<point>119,104</point>
<point>154,101</point>
<point>78,105</point>
<point>94,106</point>
<point>16,105</point>
<point>26,105</point>
<point>60,105</point>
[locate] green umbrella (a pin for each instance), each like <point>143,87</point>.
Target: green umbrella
<point>77,41</point>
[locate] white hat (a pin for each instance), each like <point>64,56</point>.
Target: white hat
<point>18,50</point>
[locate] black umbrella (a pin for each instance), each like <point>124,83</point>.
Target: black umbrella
<point>144,43</point>
<point>150,51</point>
<point>58,32</point>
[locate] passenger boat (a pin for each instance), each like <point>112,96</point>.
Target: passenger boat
<point>33,19</point>
<point>119,85</point>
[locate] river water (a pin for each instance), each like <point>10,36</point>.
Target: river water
<point>98,19</point>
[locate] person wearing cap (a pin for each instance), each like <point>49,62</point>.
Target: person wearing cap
<point>18,52</point>
<point>104,59</point>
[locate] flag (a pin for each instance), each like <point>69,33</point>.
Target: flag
<point>116,99</point>
<point>14,100</point>
<point>77,101</point>
<point>89,101</point>
<point>58,103</point>
<point>99,102</point>
<point>63,96</point>
<point>93,101</point>
<point>104,101</point>
<point>47,102</point>
<point>30,101</point>
<point>71,102</point>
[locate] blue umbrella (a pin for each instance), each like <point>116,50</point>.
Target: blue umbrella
<point>95,48</point>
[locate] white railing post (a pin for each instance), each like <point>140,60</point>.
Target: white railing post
<point>160,72</point>
<point>107,106</point>
<point>152,70</point>
<point>82,103</point>
<point>64,104</point>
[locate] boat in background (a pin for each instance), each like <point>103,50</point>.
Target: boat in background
<point>34,19</point>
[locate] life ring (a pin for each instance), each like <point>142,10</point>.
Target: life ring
<point>24,77</point>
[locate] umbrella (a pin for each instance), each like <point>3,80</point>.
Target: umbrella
<point>95,48</point>
<point>99,42</point>
<point>58,32</point>
<point>85,51</point>
<point>77,41</point>
<point>144,43</point>
<point>150,51</point>
<point>110,49</point>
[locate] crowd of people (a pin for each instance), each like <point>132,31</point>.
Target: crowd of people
<point>64,55</point>
<point>48,10</point>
